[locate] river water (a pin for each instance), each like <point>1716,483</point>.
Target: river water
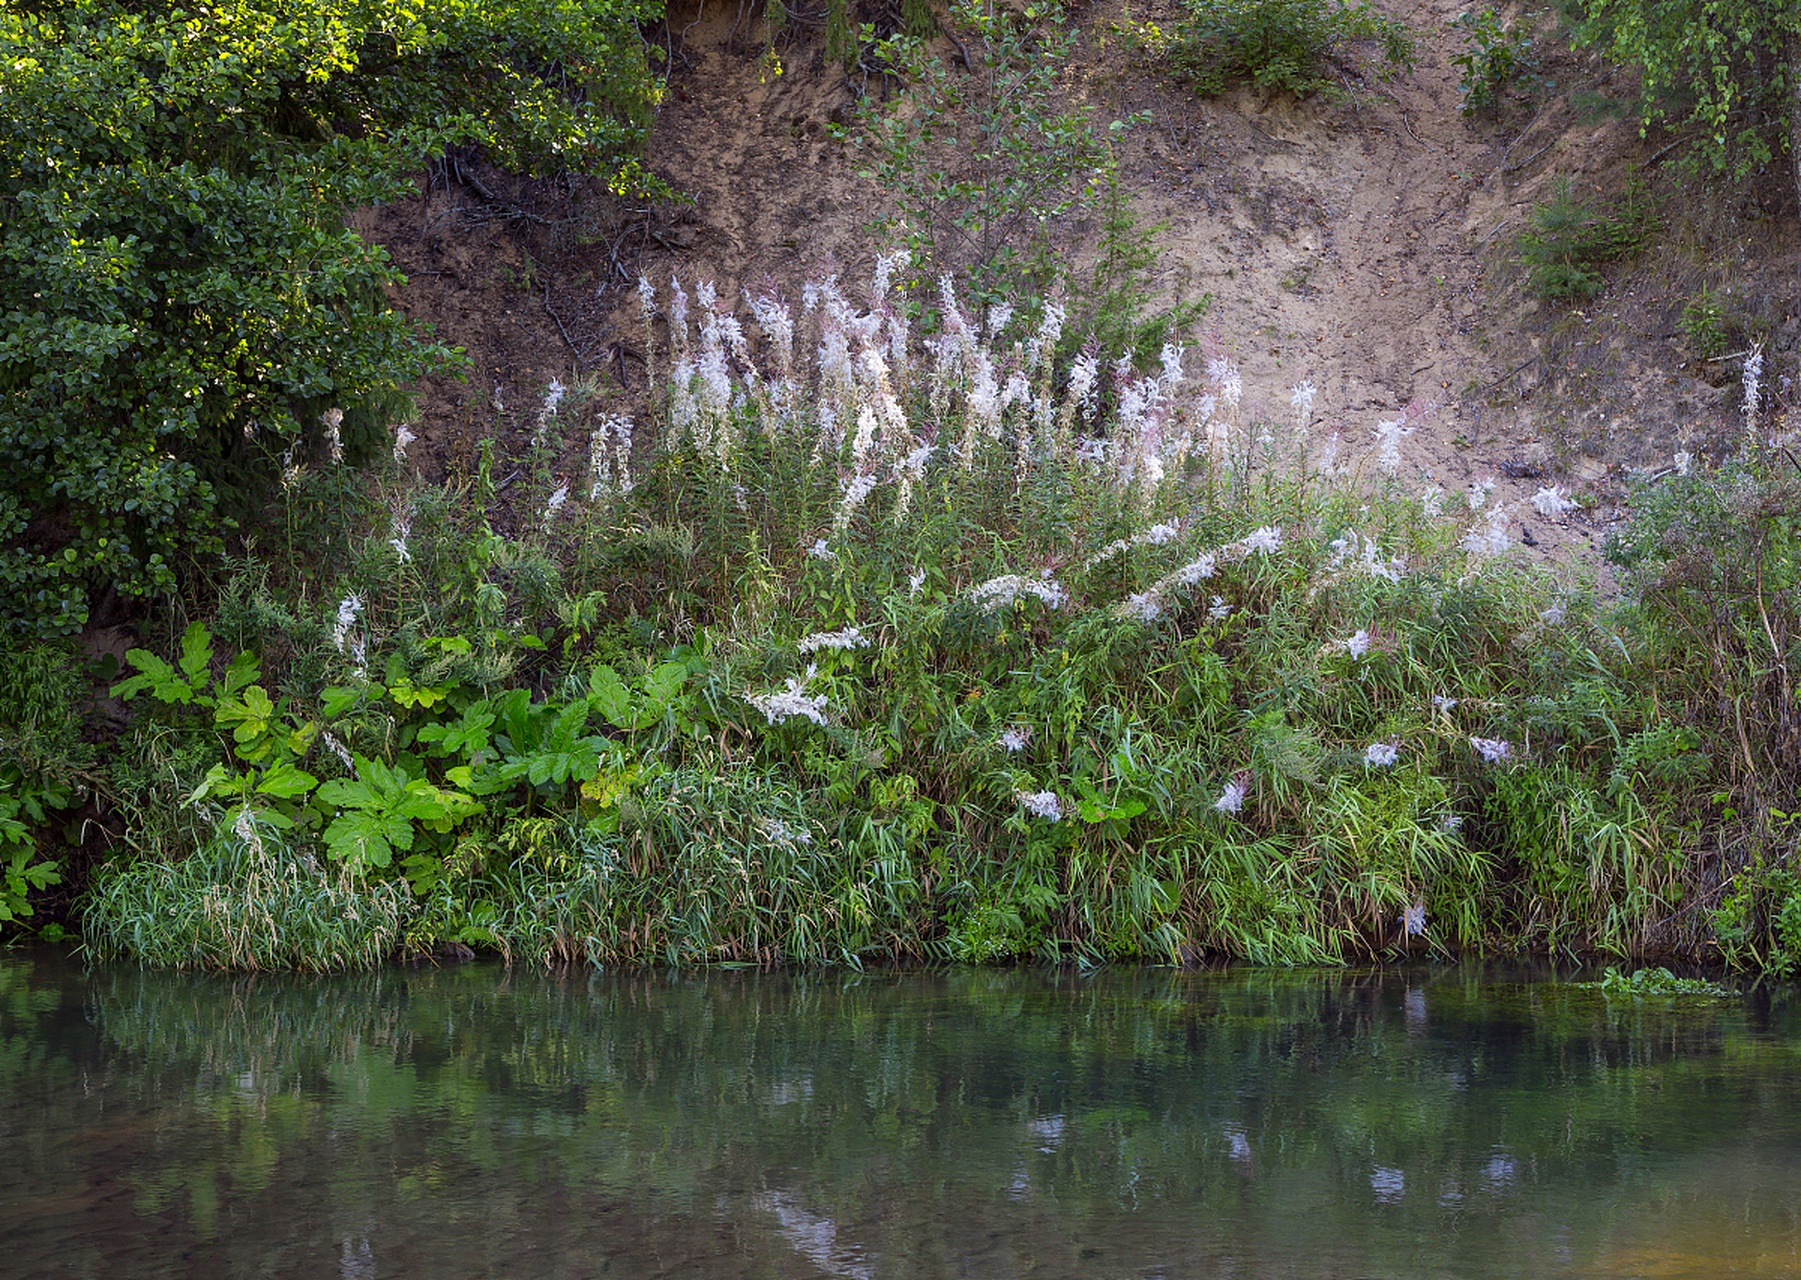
<point>475,1122</point>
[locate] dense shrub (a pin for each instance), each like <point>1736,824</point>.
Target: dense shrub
<point>185,311</point>
<point>1287,46</point>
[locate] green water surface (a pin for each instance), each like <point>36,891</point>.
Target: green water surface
<point>476,1122</point>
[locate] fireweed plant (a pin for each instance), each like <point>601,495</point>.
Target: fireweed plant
<point>876,643</point>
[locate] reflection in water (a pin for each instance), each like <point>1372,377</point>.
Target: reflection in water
<point>1388,1184</point>
<point>475,1122</point>
<point>814,1237</point>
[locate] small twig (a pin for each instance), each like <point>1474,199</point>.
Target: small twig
<point>1529,159</point>
<point>619,351</point>
<point>1663,151</point>
<point>580,364</point>
<point>1505,222</point>
<point>1521,138</point>
<point>1498,381</point>
<point>945,26</point>
<point>471,180</point>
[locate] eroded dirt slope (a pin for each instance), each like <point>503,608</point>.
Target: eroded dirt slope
<point>1367,244</point>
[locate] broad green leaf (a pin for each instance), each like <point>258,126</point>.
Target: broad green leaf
<point>285,780</point>
<point>338,702</point>
<point>243,670</point>
<point>407,694</point>
<point>155,675</point>
<point>196,654</point>
<point>663,681</point>
<point>219,781</point>
<point>360,838</point>
<point>608,695</point>
<point>465,736</point>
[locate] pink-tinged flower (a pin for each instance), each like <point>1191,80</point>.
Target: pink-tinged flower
<point>554,505</point>
<point>1231,800</point>
<point>999,593</point>
<point>1380,754</point>
<point>1042,804</point>
<point>333,419</point>
<point>849,638</point>
<point>1552,501</point>
<point>348,608</point>
<point>1491,538</point>
<point>885,267</point>
<point>1194,571</point>
<point>1358,645</point>
<point>792,701</point>
<point>339,750</point>
<point>1752,376</point>
<point>1492,750</point>
<point>402,530</point>
<point>1413,920</point>
<point>1388,441</point>
<point>1016,738</point>
<point>1143,607</point>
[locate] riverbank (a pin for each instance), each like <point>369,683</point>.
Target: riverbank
<point>963,653</point>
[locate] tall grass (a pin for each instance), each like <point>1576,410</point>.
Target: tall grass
<point>246,900</point>
<point>882,643</point>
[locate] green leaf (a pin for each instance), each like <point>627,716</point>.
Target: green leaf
<point>253,718</point>
<point>196,654</point>
<point>664,681</point>
<point>466,736</point>
<point>407,694</point>
<point>608,695</point>
<point>337,702</point>
<point>286,781</point>
<point>363,839</point>
<point>243,670</point>
<point>155,675</point>
<point>220,781</point>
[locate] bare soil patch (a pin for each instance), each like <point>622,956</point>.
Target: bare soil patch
<point>1367,244</point>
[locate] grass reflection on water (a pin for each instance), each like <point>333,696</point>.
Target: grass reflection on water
<point>477,1122</point>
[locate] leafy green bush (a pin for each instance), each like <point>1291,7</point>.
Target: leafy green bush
<point>1724,72</point>
<point>46,766</point>
<point>1286,46</point>
<point>1496,54</point>
<point>186,312</point>
<point>981,161</point>
<point>1658,981</point>
<point>1713,559</point>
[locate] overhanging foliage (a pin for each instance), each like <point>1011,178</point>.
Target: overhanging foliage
<point>181,305</point>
